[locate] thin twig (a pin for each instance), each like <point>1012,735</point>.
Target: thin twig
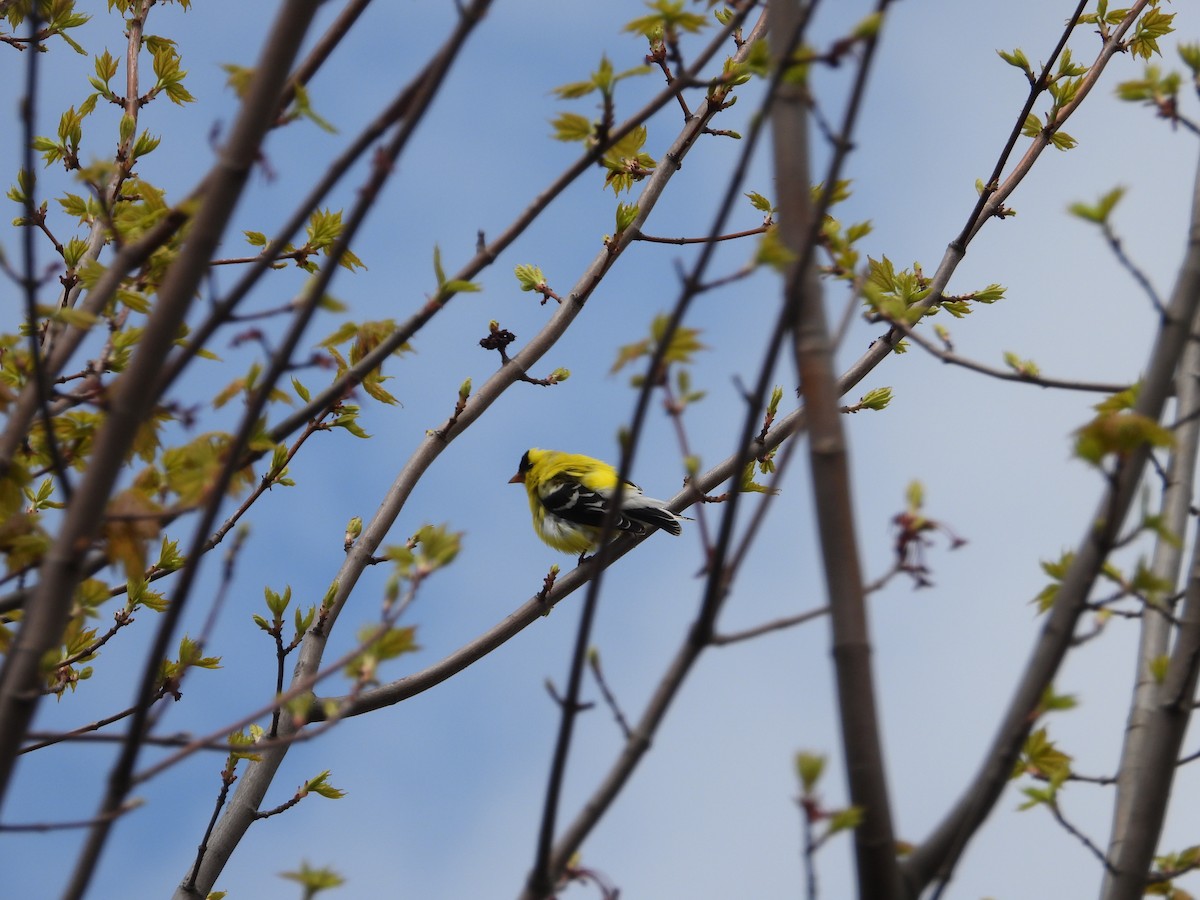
<point>29,280</point>
<point>1083,838</point>
<point>951,358</point>
<point>1135,272</point>
<point>609,698</point>
<point>70,826</point>
<point>547,864</point>
<point>720,640</point>
<point>133,402</point>
<point>761,229</point>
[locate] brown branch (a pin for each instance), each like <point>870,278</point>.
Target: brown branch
<point>750,232</point>
<point>38,375</point>
<point>300,254</point>
<point>86,734</point>
<point>64,345</point>
<point>1143,281</point>
<point>549,860</point>
<point>132,399</point>
<point>991,199</point>
<point>936,857</point>
<point>951,358</point>
<point>70,826</point>
<point>1080,836</point>
<point>720,640</point>
<point>609,698</point>
<point>228,776</point>
<point>48,740</point>
<point>283,807</point>
<point>321,50</point>
<point>874,841</point>
<point>122,617</point>
<point>485,255</point>
<point>1160,711</point>
<point>675,412</point>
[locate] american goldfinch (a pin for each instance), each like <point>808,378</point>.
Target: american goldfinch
<point>569,493</point>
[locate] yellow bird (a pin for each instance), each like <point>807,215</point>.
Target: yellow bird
<point>569,494</point>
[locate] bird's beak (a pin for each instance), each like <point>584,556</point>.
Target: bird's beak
<point>519,478</point>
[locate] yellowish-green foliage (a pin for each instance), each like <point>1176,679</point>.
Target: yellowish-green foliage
<point>86,204</point>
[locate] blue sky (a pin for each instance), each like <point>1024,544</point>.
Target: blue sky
<point>444,790</point>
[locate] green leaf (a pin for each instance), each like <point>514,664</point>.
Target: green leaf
<point>277,603</point>
<point>77,207</point>
<point>438,272</point>
<point>627,213</point>
<point>685,343</point>
<point>748,485</point>
<point>1041,756</point>
<point>189,655</point>
<point>1060,140</point>
<point>845,819</point>
<point>1119,434</point>
<point>668,19</point>
<point>771,251</point>
<point>1101,210</point>
<point>857,231</point>
<point>324,227</point>
<point>350,261</point>
<point>106,66</point>
<point>759,202</point>
<point>868,27</point>
<point>314,879</point>
<point>1052,702</point>
<point>914,496</point>
<point>531,278</point>
<point>1024,367</point>
<point>73,252</point>
<point>572,127</point>
<point>302,107</point>
<point>321,786</point>
<point>169,557</point>
<point>1037,797</point>
<point>239,78</point>
<point>461,287</point>
<point>774,401</point>
<point>575,89</point>
<point>877,398</point>
<point>1153,24</point>
<point>1190,54</point>
<point>809,767</point>
<point>146,143</point>
<point>1017,58</point>
<point>989,294</point>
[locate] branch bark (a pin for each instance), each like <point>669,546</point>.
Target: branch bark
<point>240,812</point>
<point>132,397</point>
<point>936,857</point>
<point>874,844</point>
<point>1159,713</point>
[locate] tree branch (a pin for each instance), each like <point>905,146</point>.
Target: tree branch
<point>937,856</point>
<point>131,400</point>
<point>1159,713</point>
<point>878,875</point>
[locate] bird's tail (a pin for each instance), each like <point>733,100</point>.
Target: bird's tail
<point>648,511</point>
